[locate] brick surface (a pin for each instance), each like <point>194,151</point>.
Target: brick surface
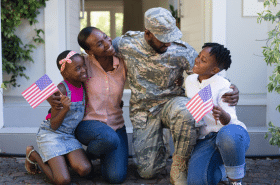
<point>260,171</point>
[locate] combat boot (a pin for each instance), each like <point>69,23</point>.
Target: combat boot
<point>178,172</point>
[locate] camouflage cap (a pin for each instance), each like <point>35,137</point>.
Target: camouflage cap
<point>162,24</point>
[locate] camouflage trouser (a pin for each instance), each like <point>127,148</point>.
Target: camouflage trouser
<point>149,145</point>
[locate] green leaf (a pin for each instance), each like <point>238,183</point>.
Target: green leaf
<point>14,52</point>
<point>266,3</point>
<point>3,86</point>
<point>278,108</point>
<point>266,135</point>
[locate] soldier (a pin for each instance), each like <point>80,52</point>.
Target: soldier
<point>155,58</point>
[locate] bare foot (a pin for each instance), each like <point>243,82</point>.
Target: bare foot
<point>31,168</point>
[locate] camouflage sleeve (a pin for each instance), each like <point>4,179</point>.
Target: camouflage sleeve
<point>189,54</point>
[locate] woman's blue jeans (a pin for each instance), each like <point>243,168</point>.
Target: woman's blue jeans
<point>108,145</point>
<point>219,155</point>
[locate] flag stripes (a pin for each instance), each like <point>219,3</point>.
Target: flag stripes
<point>39,91</point>
<point>201,103</point>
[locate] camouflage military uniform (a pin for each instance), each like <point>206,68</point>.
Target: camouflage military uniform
<point>156,102</point>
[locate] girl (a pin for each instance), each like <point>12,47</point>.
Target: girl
<point>55,138</point>
<point>223,140</point>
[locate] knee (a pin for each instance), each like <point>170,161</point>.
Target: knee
<point>62,180</point>
<point>228,137</point>
<point>146,174</point>
<point>111,141</point>
<point>83,169</point>
<point>105,143</point>
<point>116,177</point>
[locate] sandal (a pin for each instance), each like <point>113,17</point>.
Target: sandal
<point>31,162</point>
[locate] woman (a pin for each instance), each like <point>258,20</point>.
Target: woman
<point>102,129</point>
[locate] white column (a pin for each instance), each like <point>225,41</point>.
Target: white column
<point>88,18</point>
<point>55,36</point>
<point>219,21</point>
<point>1,90</point>
<point>113,23</point>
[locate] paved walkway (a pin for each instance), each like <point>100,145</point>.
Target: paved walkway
<point>260,171</point>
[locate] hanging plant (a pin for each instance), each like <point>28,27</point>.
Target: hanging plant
<point>14,52</point>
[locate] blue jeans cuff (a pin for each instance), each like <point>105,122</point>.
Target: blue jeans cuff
<point>235,172</point>
<point>223,170</point>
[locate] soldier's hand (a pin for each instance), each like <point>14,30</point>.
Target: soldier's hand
<point>231,97</point>
<point>179,81</point>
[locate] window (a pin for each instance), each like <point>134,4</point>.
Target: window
<point>108,17</point>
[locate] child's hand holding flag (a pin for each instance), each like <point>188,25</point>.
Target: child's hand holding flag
<point>39,91</point>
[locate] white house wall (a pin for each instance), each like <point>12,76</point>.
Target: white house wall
<point>248,69</point>
<point>249,72</point>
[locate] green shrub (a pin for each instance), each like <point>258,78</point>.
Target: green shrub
<point>14,52</point>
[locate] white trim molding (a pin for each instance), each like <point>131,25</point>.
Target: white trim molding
<point>252,99</point>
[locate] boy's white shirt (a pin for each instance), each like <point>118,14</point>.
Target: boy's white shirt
<point>219,86</point>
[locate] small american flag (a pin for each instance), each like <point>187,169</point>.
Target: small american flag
<point>39,91</point>
<point>201,103</point>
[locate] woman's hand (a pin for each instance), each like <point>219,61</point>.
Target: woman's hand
<point>55,100</point>
<point>231,97</point>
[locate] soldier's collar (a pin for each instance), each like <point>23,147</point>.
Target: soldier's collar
<point>147,47</point>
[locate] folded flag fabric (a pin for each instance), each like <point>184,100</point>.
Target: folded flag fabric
<point>39,91</point>
<point>201,103</point>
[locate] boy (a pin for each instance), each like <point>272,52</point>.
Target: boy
<point>223,140</point>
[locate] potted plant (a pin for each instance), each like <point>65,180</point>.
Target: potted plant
<point>272,57</point>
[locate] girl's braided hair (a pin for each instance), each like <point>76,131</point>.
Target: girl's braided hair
<point>221,53</point>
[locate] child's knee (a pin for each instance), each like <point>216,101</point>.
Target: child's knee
<point>62,180</point>
<point>83,169</point>
<point>227,137</point>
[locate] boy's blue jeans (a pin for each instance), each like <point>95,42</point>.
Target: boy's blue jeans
<point>218,156</point>
<point>108,145</point>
